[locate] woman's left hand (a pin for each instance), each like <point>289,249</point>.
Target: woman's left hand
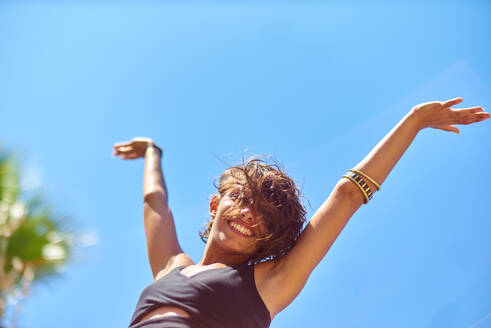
<point>439,115</point>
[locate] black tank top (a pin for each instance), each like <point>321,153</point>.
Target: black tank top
<point>216,298</point>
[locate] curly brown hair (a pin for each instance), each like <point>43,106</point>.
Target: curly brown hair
<point>270,191</point>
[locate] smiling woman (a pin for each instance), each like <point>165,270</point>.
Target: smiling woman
<point>263,190</point>
<point>257,258</point>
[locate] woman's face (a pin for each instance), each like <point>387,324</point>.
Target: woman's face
<point>236,228</point>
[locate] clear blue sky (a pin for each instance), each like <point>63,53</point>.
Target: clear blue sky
<point>314,84</point>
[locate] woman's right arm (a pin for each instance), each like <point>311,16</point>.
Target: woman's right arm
<point>163,247</point>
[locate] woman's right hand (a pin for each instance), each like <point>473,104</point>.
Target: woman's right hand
<point>135,148</point>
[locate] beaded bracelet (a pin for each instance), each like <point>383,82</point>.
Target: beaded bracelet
<point>368,178</point>
<point>361,184</point>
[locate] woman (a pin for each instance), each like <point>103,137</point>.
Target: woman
<point>257,258</point>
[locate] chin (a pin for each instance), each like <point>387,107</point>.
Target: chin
<point>235,246</point>
<point>238,248</point>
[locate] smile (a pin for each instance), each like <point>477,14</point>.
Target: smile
<point>240,229</point>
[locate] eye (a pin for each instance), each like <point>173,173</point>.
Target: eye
<point>234,195</point>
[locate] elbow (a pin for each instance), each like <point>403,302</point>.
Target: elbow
<point>345,187</point>
<point>350,190</point>
<point>154,194</point>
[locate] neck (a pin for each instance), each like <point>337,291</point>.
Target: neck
<point>214,254</point>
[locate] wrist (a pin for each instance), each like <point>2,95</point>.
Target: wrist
<point>154,146</point>
<point>413,119</point>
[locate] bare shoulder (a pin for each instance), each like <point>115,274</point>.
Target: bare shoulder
<point>264,270</point>
<point>267,284</point>
<point>175,261</point>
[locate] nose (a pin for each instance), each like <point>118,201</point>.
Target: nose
<point>246,216</point>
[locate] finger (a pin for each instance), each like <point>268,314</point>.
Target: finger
<point>123,143</point>
<point>125,153</point>
<point>482,116</point>
<point>470,110</point>
<point>471,116</point>
<point>121,154</point>
<point>449,128</point>
<point>452,102</point>
<point>123,149</point>
<point>129,156</point>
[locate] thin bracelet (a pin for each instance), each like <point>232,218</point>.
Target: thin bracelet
<point>366,176</point>
<point>156,147</point>
<point>367,198</point>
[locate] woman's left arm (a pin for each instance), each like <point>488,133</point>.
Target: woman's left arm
<point>289,274</point>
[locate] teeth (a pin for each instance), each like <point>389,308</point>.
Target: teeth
<point>240,228</point>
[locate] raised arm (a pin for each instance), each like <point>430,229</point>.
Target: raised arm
<point>162,245</point>
<point>292,271</point>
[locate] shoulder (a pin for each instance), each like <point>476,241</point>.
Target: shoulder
<point>181,259</point>
<point>267,282</point>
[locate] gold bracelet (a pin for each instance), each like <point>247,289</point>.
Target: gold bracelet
<point>366,176</point>
<point>362,185</point>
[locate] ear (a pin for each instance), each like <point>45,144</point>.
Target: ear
<point>214,206</point>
